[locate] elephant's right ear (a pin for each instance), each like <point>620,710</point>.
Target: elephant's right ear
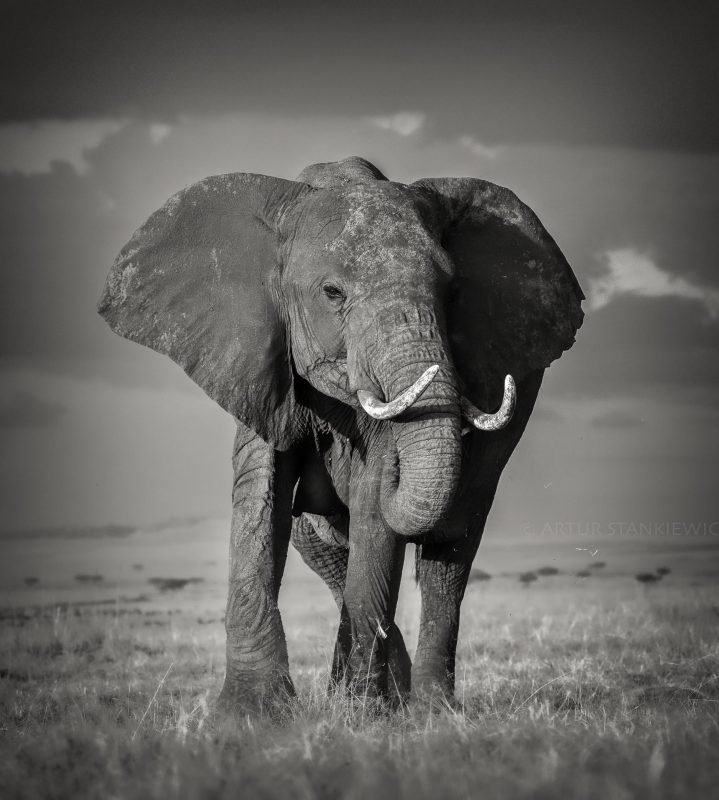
<point>198,282</point>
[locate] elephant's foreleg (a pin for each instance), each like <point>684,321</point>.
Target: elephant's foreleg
<point>443,566</point>
<point>374,571</point>
<point>257,671</point>
<point>329,561</point>
<point>442,573</point>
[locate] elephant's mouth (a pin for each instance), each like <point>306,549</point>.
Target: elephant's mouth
<point>330,376</point>
<point>482,421</point>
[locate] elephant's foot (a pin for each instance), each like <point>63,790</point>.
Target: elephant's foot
<point>363,697</point>
<point>363,688</point>
<point>433,690</point>
<point>387,684</point>
<point>251,694</point>
<point>368,691</point>
<point>399,668</point>
<point>433,701</point>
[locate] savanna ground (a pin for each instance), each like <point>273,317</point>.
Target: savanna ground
<point>596,686</point>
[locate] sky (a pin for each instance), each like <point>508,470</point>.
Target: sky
<point>602,117</point>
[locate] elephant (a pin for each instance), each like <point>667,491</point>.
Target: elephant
<point>359,331</point>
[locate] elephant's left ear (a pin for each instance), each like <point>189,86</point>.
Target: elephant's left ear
<point>516,304</point>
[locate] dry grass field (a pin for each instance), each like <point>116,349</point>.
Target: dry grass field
<point>588,687</point>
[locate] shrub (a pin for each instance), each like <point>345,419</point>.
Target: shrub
<point>172,584</point>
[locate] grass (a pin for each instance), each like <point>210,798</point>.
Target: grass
<point>581,692</point>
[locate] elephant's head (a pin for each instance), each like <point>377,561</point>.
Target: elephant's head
<point>413,301</point>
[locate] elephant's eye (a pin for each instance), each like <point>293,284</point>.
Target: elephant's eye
<point>333,292</point>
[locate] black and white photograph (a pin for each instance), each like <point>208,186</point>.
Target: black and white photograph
<point>359,383</point>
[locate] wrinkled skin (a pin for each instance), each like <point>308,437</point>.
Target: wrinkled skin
<point>283,299</point>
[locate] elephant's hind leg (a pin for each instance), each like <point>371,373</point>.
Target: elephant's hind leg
<point>326,560</point>
<point>257,672</point>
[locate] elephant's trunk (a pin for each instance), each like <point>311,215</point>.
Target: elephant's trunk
<point>429,453</point>
<point>418,489</point>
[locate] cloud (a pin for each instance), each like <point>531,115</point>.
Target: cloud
<point>617,418</point>
<point>31,148</point>
<point>25,410</point>
<point>484,65</point>
<point>404,123</point>
<point>630,271</point>
<point>478,148</point>
<point>159,131</point>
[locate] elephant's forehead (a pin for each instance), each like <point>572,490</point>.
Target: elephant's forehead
<point>363,219</point>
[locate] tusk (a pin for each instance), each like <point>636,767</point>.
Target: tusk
<point>379,410</point>
<point>497,421</point>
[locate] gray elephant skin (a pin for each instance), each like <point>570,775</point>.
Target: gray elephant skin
<point>306,309</point>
